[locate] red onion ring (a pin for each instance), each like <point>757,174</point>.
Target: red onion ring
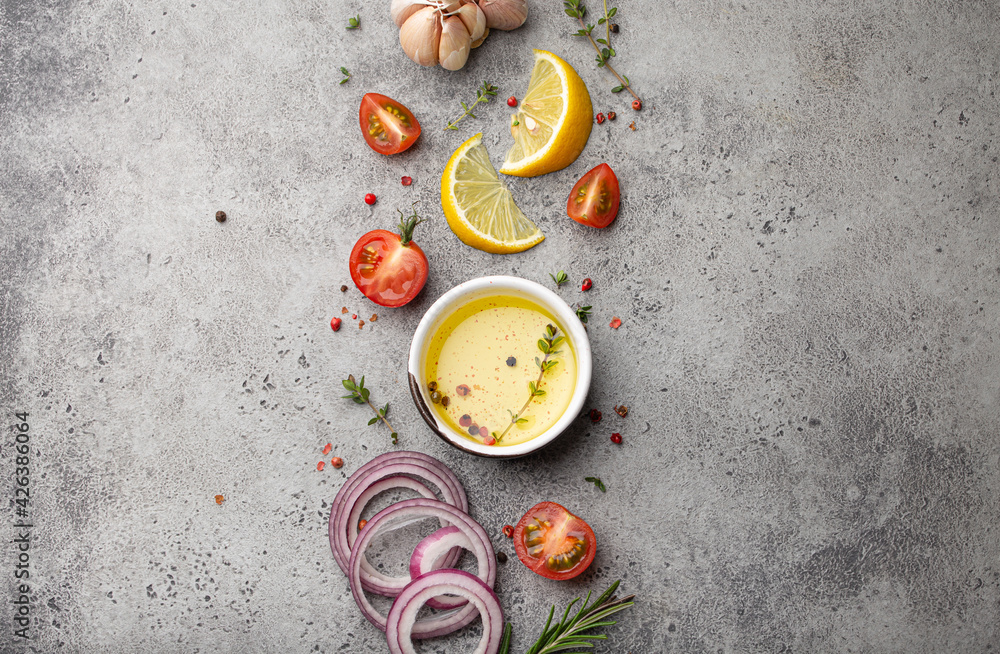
<point>425,508</point>
<point>422,465</point>
<point>429,555</point>
<point>402,619</point>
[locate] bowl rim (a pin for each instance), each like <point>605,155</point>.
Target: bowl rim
<point>543,296</point>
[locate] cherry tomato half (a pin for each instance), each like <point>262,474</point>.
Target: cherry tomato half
<point>388,268</point>
<point>388,126</point>
<point>553,542</point>
<point>594,199</point>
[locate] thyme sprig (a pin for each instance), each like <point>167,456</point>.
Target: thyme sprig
<point>360,395</point>
<point>583,313</point>
<point>483,94</point>
<point>559,278</point>
<point>575,9</point>
<point>547,344</point>
<point>346,73</point>
<point>596,481</point>
<point>570,634</point>
<point>353,23</point>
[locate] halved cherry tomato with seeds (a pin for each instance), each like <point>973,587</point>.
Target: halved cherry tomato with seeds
<point>390,269</point>
<point>594,200</point>
<point>553,542</point>
<point>388,126</point>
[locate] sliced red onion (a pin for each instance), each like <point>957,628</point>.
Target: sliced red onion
<point>430,554</point>
<point>343,531</point>
<point>420,507</point>
<point>401,623</point>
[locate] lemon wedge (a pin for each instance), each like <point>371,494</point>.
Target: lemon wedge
<point>553,123</point>
<point>479,208</point>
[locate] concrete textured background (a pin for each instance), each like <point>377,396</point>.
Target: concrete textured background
<point>806,263</point>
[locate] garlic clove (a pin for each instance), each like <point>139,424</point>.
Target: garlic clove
<point>401,10</point>
<point>504,14</point>
<point>453,50</point>
<point>474,20</point>
<point>478,42</point>
<point>420,36</point>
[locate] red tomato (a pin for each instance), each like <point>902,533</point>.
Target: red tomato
<point>594,199</point>
<point>388,126</point>
<point>553,542</point>
<point>388,268</point>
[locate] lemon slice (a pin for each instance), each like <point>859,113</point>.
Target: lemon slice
<point>479,208</point>
<point>553,123</point>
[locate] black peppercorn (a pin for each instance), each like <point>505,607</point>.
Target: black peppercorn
<point>343,288</point>
<point>511,361</point>
<point>501,557</point>
<point>614,28</point>
<point>220,216</point>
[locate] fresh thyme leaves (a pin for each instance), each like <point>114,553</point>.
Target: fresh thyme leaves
<point>596,481</point>
<point>569,634</point>
<point>346,74</point>
<point>575,9</point>
<point>559,278</point>
<point>483,94</point>
<point>547,344</point>
<point>583,313</point>
<point>353,23</point>
<point>360,396</point>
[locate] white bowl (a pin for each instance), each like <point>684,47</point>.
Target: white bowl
<point>484,287</point>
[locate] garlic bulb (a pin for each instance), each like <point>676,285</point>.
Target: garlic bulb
<point>474,20</point>
<point>504,14</point>
<point>401,10</point>
<point>455,43</point>
<point>420,35</point>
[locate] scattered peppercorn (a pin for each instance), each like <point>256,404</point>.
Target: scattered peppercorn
<point>326,450</point>
<point>612,115</point>
<point>320,465</point>
<point>335,324</point>
<point>614,28</point>
<point>374,317</point>
<point>489,440</point>
<point>501,557</point>
<point>595,415</point>
<point>616,322</point>
<point>463,390</point>
<point>508,531</point>
<point>465,420</point>
<point>220,216</point>
<point>370,197</point>
<point>511,361</point>
<point>361,524</point>
<point>600,118</point>
<point>484,432</point>
<point>432,386</point>
<point>337,462</point>
<point>445,401</point>
<point>354,316</point>
<point>407,180</point>
<point>587,285</point>
<point>511,101</point>
<point>361,324</point>
<point>435,397</point>
<point>219,499</point>
<point>616,438</point>
<point>473,430</point>
<point>621,410</point>
<point>637,104</point>
<point>343,288</point>
<point>343,310</point>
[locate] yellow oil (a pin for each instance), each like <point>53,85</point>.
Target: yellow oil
<point>473,348</point>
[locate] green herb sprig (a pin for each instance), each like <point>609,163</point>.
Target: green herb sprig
<point>596,481</point>
<point>346,73</point>
<point>575,9</point>
<point>570,634</point>
<point>483,94</point>
<point>360,395</point>
<point>547,344</point>
<point>559,278</point>
<point>353,23</point>
<point>583,313</point>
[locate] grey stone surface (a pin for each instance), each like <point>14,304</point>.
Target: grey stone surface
<point>806,265</point>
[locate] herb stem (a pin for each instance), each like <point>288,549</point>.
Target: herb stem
<point>607,22</point>
<point>547,344</point>
<point>625,85</point>
<point>380,415</point>
<point>483,94</point>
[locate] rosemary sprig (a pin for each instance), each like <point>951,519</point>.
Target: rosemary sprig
<point>569,633</point>
<point>547,344</point>
<point>583,313</point>
<point>353,23</point>
<point>360,395</point>
<point>575,9</point>
<point>596,481</point>
<point>483,94</point>
<point>346,73</point>
<point>559,278</point>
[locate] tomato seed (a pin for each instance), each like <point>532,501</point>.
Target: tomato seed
<point>600,118</point>
<point>370,199</point>
<point>326,450</point>
<point>616,438</point>
<point>335,324</point>
<point>595,415</point>
<point>637,104</point>
<point>337,462</point>
<point>407,180</point>
<point>511,101</point>
<point>220,216</point>
<point>587,284</point>
<point>508,531</point>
